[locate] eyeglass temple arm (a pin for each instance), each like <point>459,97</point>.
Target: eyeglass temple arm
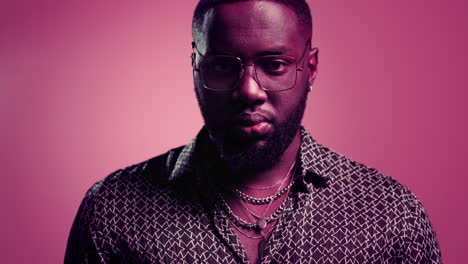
<point>308,44</point>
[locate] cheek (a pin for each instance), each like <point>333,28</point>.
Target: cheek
<point>286,102</point>
<point>283,108</point>
<point>217,102</point>
<point>214,107</point>
<point>211,101</point>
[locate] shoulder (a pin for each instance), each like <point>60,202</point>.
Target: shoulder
<point>151,173</point>
<point>363,186</point>
<point>345,171</point>
<point>111,206</point>
<point>389,207</point>
<point>138,182</point>
<point>126,192</point>
<point>378,204</point>
<point>350,179</point>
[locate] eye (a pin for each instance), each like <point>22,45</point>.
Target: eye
<point>224,65</point>
<point>274,65</point>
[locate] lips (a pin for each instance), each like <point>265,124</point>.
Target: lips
<point>252,125</point>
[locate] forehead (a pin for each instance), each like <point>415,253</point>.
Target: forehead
<point>248,27</point>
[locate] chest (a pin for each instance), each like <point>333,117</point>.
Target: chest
<point>310,231</point>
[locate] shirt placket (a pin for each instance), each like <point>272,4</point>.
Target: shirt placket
<point>227,233</point>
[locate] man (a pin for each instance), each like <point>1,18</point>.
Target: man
<point>253,186</point>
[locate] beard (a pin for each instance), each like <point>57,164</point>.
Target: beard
<point>242,155</point>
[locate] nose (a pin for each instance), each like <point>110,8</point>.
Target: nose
<point>249,90</point>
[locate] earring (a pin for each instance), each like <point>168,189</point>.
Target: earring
<point>310,88</point>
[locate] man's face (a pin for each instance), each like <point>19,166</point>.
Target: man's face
<point>251,127</point>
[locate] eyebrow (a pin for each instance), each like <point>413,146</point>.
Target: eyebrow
<point>274,51</point>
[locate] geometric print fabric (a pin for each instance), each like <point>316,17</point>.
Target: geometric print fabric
<point>163,211</point>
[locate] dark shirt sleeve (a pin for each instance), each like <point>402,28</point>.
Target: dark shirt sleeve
<point>81,247</point>
<point>420,242</point>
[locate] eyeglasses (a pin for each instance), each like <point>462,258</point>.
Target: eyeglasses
<point>272,72</point>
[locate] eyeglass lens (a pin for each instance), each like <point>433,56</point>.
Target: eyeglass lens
<point>273,73</point>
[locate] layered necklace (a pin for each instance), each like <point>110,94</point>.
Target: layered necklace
<point>266,200</point>
<point>259,222</point>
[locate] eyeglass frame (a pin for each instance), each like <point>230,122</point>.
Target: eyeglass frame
<point>195,68</point>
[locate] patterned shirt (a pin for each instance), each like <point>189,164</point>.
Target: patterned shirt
<point>165,210</point>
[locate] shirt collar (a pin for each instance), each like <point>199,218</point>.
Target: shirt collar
<point>315,161</point>
<point>314,167</point>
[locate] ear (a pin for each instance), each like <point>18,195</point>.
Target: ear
<point>193,55</point>
<point>312,65</point>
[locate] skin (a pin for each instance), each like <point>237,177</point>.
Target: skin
<point>263,28</point>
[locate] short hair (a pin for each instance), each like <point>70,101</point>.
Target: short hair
<point>300,8</point>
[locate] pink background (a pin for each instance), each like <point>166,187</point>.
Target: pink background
<point>87,87</point>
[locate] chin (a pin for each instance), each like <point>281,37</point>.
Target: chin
<point>249,154</point>
<point>252,159</point>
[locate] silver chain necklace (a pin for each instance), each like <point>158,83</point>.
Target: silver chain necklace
<point>259,201</point>
<point>261,222</point>
<point>251,226</point>
<point>266,200</point>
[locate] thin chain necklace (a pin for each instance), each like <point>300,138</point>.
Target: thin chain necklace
<point>261,222</point>
<point>246,225</point>
<point>262,235</point>
<point>266,200</point>
<point>259,201</point>
<point>261,188</point>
